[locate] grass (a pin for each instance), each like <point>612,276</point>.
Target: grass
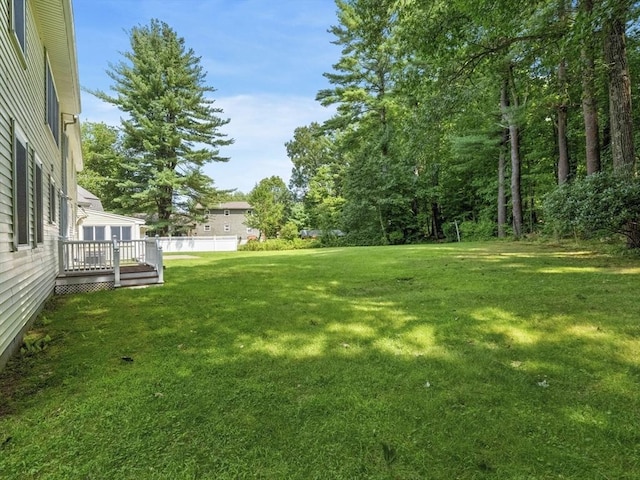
<point>467,361</point>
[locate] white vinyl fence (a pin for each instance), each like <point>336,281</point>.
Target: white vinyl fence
<point>227,243</point>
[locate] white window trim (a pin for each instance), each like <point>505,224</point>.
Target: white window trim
<point>207,228</point>
<point>53,197</point>
<point>19,135</point>
<point>18,44</point>
<point>56,119</point>
<point>226,213</point>
<point>38,215</point>
<point>227,227</point>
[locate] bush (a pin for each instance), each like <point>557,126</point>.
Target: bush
<point>600,204</point>
<point>278,244</point>
<point>289,231</point>
<point>470,230</point>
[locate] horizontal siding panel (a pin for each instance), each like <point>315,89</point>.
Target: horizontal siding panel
<point>27,277</point>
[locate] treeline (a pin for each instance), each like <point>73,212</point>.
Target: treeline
<point>469,112</point>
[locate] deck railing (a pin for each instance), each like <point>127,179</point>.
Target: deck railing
<point>87,256</point>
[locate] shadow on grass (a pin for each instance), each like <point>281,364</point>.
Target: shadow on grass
<point>417,362</point>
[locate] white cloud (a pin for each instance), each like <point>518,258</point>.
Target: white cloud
<point>261,125</point>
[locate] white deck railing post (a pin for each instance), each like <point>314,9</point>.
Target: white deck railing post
<point>61,251</point>
<point>116,262</point>
<point>159,264</point>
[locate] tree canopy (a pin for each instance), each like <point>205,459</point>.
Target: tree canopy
<point>469,112</point>
<point>171,128</point>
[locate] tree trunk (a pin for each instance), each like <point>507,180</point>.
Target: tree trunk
<point>563,147</point>
<point>516,195</point>
<point>502,198</point>
<point>436,221</point>
<point>622,148</point>
<point>589,101</point>
<point>514,144</point>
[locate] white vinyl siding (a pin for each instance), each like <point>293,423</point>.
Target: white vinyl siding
<point>27,275</point>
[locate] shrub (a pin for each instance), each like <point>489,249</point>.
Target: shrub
<point>289,231</point>
<point>278,244</point>
<point>600,204</point>
<point>470,230</point>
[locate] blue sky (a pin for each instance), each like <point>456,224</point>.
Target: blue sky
<point>265,58</point>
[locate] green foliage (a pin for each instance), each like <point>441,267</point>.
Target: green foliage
<point>603,203</point>
<point>420,120</point>
<point>477,231</point>
<point>271,203</point>
<point>289,231</point>
<point>34,343</point>
<point>278,244</point>
<point>171,129</point>
<point>103,157</point>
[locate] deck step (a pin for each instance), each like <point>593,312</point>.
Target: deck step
<point>139,281</point>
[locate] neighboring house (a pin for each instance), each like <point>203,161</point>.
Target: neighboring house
<point>227,219</point>
<point>93,223</point>
<point>39,156</point>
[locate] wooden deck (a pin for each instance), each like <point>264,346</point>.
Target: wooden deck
<point>83,281</point>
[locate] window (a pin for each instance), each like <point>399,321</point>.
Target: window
<point>207,228</point>
<point>249,212</point>
<point>249,230</point>
<point>53,107</point>
<point>227,227</point>
<point>121,233</point>
<point>227,213</point>
<point>38,202</point>
<point>18,23</point>
<point>93,233</point>
<point>20,189</point>
<point>53,193</point>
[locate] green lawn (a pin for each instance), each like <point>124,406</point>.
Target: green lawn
<point>457,361</point>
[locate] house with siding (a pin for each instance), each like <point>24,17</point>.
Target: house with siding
<point>227,219</point>
<point>94,224</point>
<point>39,156</point>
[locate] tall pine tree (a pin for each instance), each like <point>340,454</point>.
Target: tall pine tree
<point>172,127</point>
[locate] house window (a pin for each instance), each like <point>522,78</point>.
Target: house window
<point>38,202</point>
<point>227,213</point>
<point>249,212</point>
<point>227,227</point>
<point>18,23</point>
<point>53,107</point>
<point>207,228</point>
<point>121,233</point>
<point>53,193</point>
<point>249,231</point>
<point>94,233</point>
<point>20,189</point>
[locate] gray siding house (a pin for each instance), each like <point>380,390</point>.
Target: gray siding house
<point>227,219</point>
<point>39,156</point>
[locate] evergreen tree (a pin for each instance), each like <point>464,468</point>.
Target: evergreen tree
<point>171,130</point>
